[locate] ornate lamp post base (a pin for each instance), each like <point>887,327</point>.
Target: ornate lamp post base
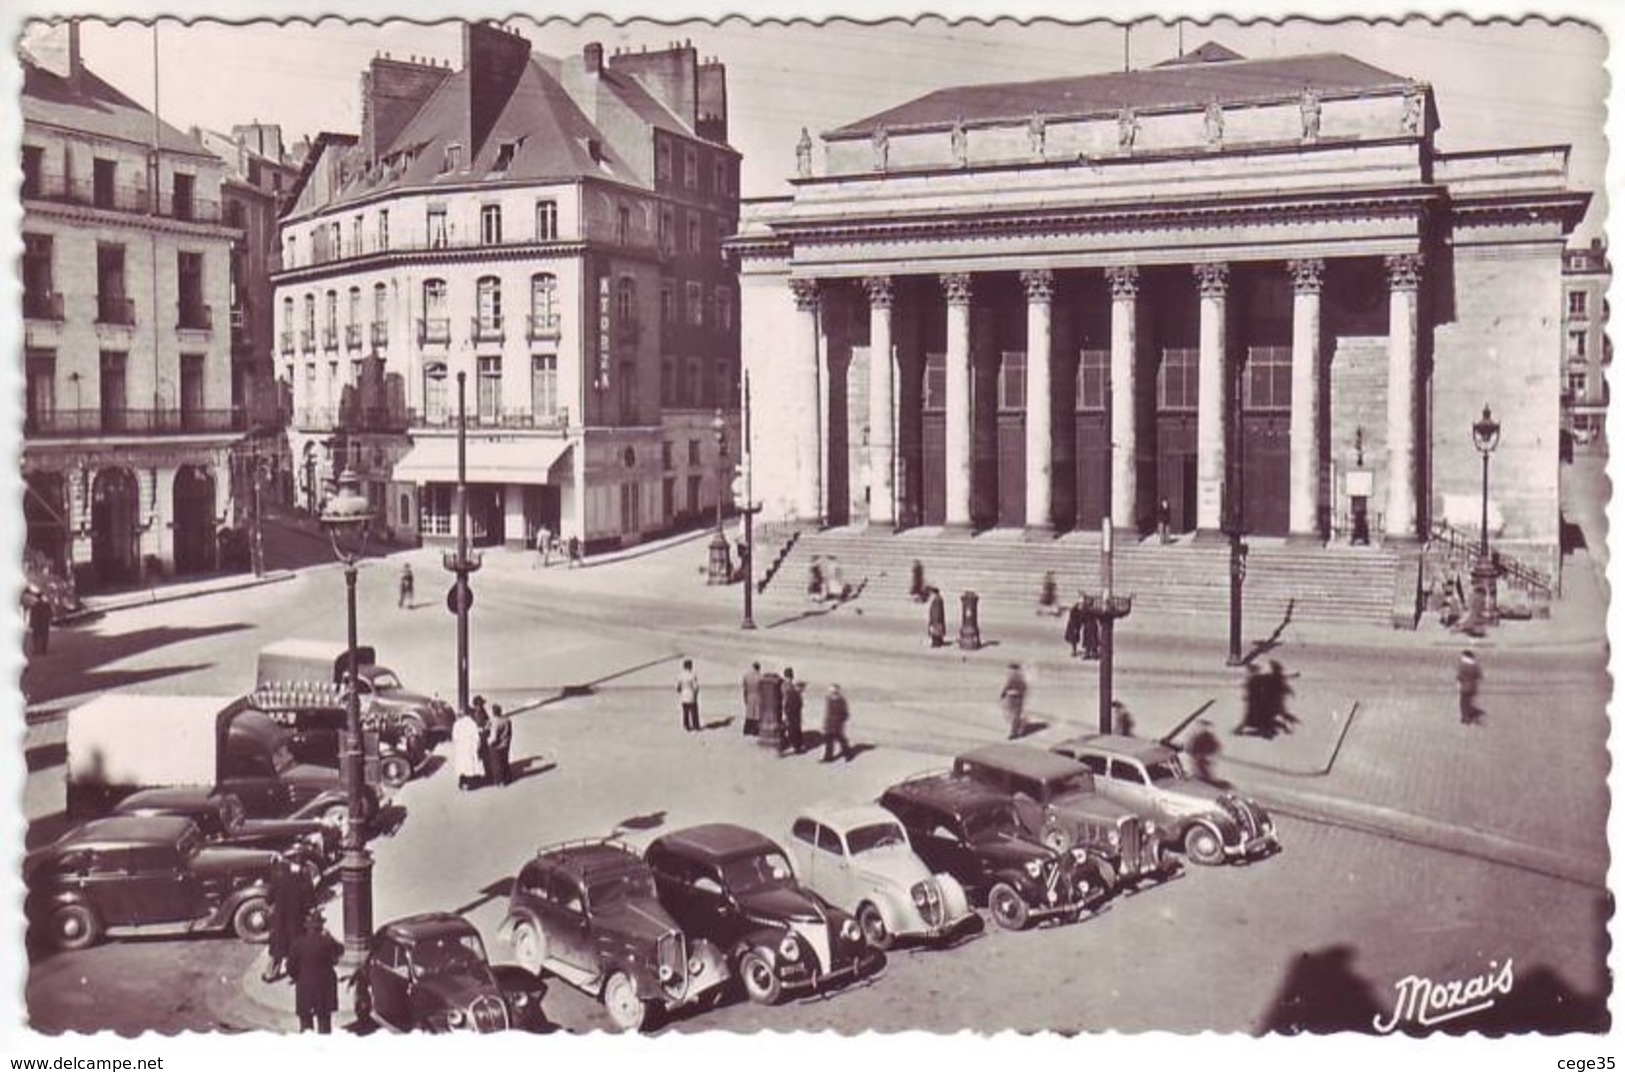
<point>355,879</point>
<point>1485,611</point>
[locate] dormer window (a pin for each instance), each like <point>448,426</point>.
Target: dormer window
<point>453,160</point>
<point>505,153</point>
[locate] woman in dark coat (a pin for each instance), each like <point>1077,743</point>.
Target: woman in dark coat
<point>937,619</point>
<point>1074,626</point>
<point>291,901</point>
<point>313,962</point>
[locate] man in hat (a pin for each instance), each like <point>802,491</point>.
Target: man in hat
<point>836,716</point>
<point>313,963</point>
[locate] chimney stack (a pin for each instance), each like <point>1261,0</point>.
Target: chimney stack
<point>593,54</point>
<point>76,64</point>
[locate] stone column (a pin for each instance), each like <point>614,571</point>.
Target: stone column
<point>956,286</point>
<point>882,405</point>
<point>1213,396</point>
<point>1040,286</point>
<point>1303,505</point>
<point>1404,276</point>
<point>809,431</point>
<point>1125,284</point>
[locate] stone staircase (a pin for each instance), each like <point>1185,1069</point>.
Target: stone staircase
<point>1324,584</point>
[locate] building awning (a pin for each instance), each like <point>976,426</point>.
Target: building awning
<point>521,461</point>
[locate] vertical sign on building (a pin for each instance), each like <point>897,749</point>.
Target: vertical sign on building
<point>601,380</point>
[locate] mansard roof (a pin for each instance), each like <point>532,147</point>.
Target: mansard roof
<point>95,107</point>
<point>1190,82</point>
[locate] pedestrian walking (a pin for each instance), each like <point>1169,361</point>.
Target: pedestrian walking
<point>1074,625</point>
<point>313,963</point>
<point>575,552</point>
<point>918,590</point>
<point>291,901</point>
<point>1048,600</point>
<point>1164,519</point>
<point>39,623</point>
<point>836,716</point>
<point>544,546</point>
<point>815,579</point>
<point>1203,747</point>
<point>1013,698</point>
<point>500,734</point>
<point>1468,676</point>
<point>1277,719</point>
<point>1091,635</point>
<point>742,558</point>
<point>465,751</point>
<point>1254,702</point>
<point>791,737</point>
<point>936,619</point>
<point>405,593</point>
<point>688,696</point>
<point>751,686</point>
<point>1122,721</point>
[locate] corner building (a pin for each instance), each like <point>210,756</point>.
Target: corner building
<point>1217,278</point>
<point>549,229</point>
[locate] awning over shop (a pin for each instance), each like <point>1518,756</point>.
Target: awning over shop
<point>521,461</point>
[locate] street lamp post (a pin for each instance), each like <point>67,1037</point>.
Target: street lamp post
<point>749,507</point>
<point>346,516</point>
<point>1486,437</point>
<point>1234,526</point>
<point>717,566</point>
<point>460,563</point>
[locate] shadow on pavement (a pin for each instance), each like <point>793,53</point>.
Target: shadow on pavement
<point>1322,994</point>
<point>70,669</point>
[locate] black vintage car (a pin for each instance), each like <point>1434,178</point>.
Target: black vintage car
<point>1058,802</point>
<point>588,913</point>
<point>428,972</point>
<point>311,845</point>
<point>144,875</point>
<point>961,827</point>
<point>736,888</point>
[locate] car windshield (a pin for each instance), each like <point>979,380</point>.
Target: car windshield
<point>989,823</point>
<point>1080,781</point>
<point>446,954</point>
<point>1169,770</point>
<point>189,843</point>
<point>628,885</point>
<point>874,836</point>
<point>746,873</point>
<point>384,679</point>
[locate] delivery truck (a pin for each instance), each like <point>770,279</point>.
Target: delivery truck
<point>120,743</point>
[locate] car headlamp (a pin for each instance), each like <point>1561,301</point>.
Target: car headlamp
<point>1114,839</point>
<point>1080,855</point>
<point>1150,827</point>
<point>789,950</point>
<point>851,932</point>
<point>455,1017</point>
<point>1035,868</point>
<point>665,973</point>
<point>921,897</point>
<point>696,966</point>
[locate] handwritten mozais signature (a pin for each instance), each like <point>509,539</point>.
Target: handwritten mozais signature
<point>1421,1001</point>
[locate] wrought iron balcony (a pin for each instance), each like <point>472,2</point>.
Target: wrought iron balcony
<point>485,329</point>
<point>434,330</point>
<point>352,336</point>
<point>110,420</point>
<point>330,338</point>
<point>287,343</point>
<point>542,326</point>
<point>380,333</point>
<point>307,342</point>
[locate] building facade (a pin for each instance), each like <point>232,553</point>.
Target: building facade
<point>129,421</point>
<point>1587,353</point>
<point>544,235</point>
<point>1219,289</point>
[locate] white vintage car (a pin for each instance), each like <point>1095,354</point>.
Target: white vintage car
<point>858,858</point>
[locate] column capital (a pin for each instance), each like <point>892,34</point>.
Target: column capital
<point>806,294</point>
<point>956,287</point>
<point>1213,280</point>
<point>879,289</point>
<point>1039,284</point>
<point>1404,271</point>
<point>1124,280</point>
<point>1307,275</point>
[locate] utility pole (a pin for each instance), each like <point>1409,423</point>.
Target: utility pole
<point>461,563</point>
<point>748,622</point>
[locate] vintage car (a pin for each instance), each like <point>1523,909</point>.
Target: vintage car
<point>588,913</point>
<point>1060,805</point>
<point>858,858</point>
<point>737,889</point>
<point>972,833</point>
<point>315,665</point>
<point>310,845</point>
<point>428,972</point>
<point>140,874</point>
<point>1213,825</point>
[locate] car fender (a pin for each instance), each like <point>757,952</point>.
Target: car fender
<point>1222,827</point>
<point>767,938</point>
<point>955,901</point>
<point>896,907</point>
<point>1030,889</point>
<point>511,921</point>
<point>221,916</point>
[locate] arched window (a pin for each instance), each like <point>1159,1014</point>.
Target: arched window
<point>544,311</point>
<point>434,392</point>
<point>488,297</point>
<point>288,327</point>
<point>626,299</point>
<point>380,315</point>
<point>436,324</point>
<point>307,339</point>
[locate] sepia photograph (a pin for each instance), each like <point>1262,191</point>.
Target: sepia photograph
<point>682,524</point>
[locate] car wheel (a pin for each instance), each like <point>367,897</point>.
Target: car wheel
<point>1203,846</point>
<point>621,1001</point>
<point>395,771</point>
<point>874,926</point>
<point>761,981</point>
<point>1058,839</point>
<point>1008,909</point>
<point>75,926</point>
<point>529,948</point>
<point>252,920</point>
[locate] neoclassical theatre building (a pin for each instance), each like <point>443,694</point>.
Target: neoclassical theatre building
<point>1217,278</point>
